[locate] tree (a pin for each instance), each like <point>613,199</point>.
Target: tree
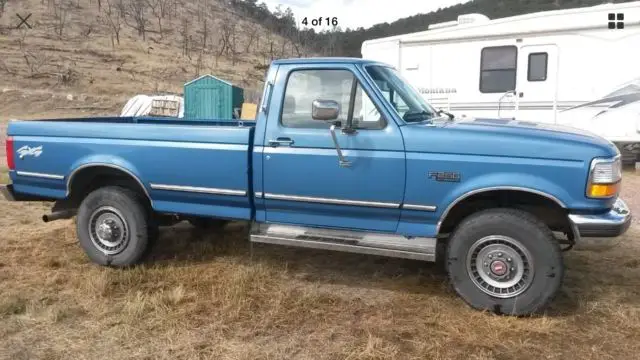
<point>252,33</point>
<point>137,10</point>
<point>159,9</point>
<point>111,18</point>
<point>2,5</point>
<point>205,34</point>
<point>60,12</point>
<point>184,32</point>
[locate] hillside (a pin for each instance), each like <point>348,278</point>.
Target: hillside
<point>101,52</point>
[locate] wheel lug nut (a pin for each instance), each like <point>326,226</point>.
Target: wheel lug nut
<point>499,254</point>
<point>513,269</point>
<point>490,256</point>
<point>486,264</point>
<point>508,259</point>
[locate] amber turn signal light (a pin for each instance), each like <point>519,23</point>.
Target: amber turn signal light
<point>603,190</point>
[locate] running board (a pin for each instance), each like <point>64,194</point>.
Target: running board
<point>417,248</point>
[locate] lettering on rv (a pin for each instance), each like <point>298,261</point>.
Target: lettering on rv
<point>424,90</point>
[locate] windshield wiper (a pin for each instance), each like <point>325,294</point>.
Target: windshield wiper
<point>450,115</point>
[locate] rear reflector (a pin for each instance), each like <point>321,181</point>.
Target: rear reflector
<point>10,154</point>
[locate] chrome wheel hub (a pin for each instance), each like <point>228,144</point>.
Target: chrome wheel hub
<point>500,266</point>
<point>108,230</point>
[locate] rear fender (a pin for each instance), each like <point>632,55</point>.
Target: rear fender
<point>110,161</point>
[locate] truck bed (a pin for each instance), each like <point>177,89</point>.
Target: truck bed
<point>150,120</point>
<point>185,166</point>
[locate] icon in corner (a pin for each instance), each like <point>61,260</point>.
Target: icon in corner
<point>23,20</point>
<point>616,21</point>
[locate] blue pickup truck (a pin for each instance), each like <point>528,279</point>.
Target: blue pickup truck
<point>344,155</point>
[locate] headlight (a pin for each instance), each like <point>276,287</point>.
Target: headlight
<point>604,178</point>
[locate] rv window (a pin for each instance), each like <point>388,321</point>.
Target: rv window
<point>537,70</point>
<point>498,69</point>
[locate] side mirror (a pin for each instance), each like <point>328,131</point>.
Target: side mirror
<point>325,110</point>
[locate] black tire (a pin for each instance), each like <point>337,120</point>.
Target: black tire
<point>480,238</point>
<point>207,223</point>
<point>125,217</point>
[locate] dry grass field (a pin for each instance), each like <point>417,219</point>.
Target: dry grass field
<point>210,296</point>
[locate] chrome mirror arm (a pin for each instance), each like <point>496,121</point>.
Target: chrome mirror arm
<point>342,161</point>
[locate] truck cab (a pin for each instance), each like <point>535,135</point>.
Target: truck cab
<point>344,155</point>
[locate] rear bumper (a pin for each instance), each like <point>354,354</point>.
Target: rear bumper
<point>7,192</point>
<point>613,223</point>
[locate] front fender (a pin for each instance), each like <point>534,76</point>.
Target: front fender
<point>504,181</point>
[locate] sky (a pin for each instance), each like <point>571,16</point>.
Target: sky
<point>356,13</point>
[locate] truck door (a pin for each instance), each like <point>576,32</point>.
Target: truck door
<point>536,88</point>
<point>304,181</point>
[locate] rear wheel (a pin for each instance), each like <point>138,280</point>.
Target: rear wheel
<point>505,261</point>
<point>113,227</point>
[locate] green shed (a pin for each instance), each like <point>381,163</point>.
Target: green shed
<point>208,97</point>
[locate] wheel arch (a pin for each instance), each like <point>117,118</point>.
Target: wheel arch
<point>527,194</point>
<point>92,170</point>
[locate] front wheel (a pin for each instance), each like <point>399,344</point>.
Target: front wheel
<point>505,261</point>
<point>113,227</point>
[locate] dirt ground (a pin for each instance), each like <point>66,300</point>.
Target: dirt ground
<point>210,296</point>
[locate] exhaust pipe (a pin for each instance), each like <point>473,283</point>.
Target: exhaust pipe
<point>64,214</point>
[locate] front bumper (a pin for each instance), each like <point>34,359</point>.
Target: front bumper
<point>613,223</point>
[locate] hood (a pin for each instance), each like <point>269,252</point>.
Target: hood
<point>528,127</point>
<point>506,137</point>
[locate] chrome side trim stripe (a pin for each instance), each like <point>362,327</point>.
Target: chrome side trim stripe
<point>196,189</point>
<point>331,201</point>
<point>40,175</point>
<point>258,194</point>
<point>419,207</point>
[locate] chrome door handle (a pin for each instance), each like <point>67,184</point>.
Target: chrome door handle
<point>281,141</point>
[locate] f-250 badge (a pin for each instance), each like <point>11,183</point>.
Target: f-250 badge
<point>29,151</point>
<point>444,176</point>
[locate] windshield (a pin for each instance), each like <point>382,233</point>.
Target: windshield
<point>406,100</point>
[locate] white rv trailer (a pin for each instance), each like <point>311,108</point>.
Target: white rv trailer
<point>563,66</point>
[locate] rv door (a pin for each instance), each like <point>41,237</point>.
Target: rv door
<point>536,89</point>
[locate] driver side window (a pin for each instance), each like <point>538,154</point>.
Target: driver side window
<point>305,86</point>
